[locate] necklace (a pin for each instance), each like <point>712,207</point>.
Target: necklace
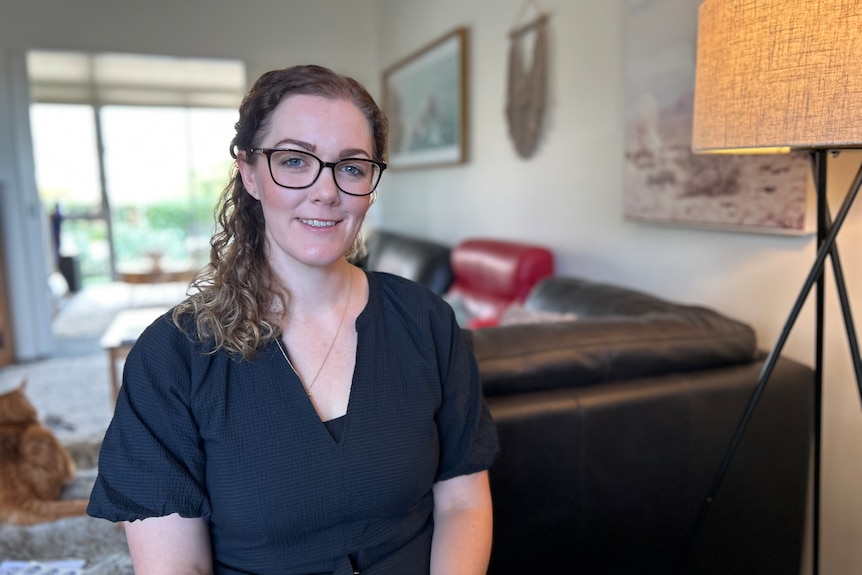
<point>328,351</point>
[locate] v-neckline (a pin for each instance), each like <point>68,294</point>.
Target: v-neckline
<point>279,356</point>
<point>335,427</point>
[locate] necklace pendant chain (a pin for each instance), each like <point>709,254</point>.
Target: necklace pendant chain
<point>328,351</point>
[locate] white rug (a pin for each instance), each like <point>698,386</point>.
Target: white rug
<point>99,543</point>
<point>71,394</point>
<point>89,312</point>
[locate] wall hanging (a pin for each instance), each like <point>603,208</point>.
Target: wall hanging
<point>526,88</point>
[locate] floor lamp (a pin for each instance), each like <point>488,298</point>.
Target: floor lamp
<point>774,76</point>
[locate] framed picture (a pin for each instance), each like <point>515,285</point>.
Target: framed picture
<point>665,183</point>
<point>425,100</point>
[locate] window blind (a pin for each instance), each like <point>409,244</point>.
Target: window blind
<point>136,80</point>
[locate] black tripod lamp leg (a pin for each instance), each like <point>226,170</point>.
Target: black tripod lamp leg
<point>825,249</point>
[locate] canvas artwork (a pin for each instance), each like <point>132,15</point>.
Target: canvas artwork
<point>664,181</point>
<point>424,97</point>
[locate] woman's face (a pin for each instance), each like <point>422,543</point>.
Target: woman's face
<point>317,225</point>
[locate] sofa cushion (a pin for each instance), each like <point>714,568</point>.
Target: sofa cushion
<point>489,275</point>
<point>566,294</point>
<point>517,313</point>
<point>619,334</point>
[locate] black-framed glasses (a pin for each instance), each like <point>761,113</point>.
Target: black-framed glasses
<point>298,170</point>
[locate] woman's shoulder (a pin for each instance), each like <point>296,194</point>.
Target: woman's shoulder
<point>167,337</point>
<point>168,354</point>
<point>394,286</point>
<point>409,299</point>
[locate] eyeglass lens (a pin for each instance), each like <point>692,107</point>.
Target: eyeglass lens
<point>294,169</point>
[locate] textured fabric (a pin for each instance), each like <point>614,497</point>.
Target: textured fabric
<point>240,444</point>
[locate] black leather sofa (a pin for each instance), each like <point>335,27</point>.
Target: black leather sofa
<point>613,427</point>
<point>418,259</point>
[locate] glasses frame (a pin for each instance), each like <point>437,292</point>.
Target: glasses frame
<point>268,152</point>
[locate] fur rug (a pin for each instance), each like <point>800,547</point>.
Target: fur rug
<point>101,544</point>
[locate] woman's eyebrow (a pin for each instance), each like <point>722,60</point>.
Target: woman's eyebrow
<point>289,142</point>
<point>354,152</point>
<point>345,153</point>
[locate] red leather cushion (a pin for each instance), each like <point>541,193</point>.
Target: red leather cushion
<point>489,275</point>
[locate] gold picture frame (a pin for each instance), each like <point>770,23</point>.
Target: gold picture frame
<point>425,101</point>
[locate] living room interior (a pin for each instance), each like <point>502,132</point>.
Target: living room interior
<point>569,196</point>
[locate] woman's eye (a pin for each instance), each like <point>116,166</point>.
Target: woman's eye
<point>290,161</point>
<point>353,169</point>
<point>293,162</point>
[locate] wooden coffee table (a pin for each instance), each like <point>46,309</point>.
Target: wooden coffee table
<point>122,334</point>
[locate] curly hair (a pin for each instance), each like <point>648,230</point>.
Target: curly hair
<point>236,302</point>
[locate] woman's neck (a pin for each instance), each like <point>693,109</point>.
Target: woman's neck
<point>317,290</point>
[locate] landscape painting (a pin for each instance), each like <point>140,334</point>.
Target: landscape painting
<point>664,181</point>
<point>425,100</point>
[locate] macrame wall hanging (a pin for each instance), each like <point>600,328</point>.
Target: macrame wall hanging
<point>525,99</point>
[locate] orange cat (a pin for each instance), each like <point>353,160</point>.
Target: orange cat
<point>34,465</point>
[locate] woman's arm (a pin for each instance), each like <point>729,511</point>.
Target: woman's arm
<point>170,545</point>
<point>462,525</point>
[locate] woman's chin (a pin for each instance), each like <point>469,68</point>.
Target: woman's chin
<point>321,259</point>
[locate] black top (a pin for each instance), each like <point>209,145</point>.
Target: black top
<point>240,444</point>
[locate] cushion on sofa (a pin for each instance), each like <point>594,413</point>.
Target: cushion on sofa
<point>516,314</point>
<point>489,275</point>
<point>567,294</point>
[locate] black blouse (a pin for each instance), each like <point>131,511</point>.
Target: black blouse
<point>239,443</point>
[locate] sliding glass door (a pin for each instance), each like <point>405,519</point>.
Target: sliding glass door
<point>164,170</point>
<point>131,155</point>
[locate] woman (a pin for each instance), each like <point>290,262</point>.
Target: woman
<point>295,414</point>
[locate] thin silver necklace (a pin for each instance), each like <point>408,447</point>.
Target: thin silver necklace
<point>328,351</point>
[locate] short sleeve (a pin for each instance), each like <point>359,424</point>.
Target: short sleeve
<point>468,436</point>
<point>151,462</point>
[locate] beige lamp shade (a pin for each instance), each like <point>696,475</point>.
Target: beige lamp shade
<point>783,74</point>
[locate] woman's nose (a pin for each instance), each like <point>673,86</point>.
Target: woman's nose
<point>325,189</point>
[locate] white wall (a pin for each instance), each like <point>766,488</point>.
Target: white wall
<point>569,197</point>
<point>265,34</point>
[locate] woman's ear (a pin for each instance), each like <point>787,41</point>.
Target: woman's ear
<point>246,172</point>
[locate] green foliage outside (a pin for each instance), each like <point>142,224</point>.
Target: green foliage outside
<point>174,228</point>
